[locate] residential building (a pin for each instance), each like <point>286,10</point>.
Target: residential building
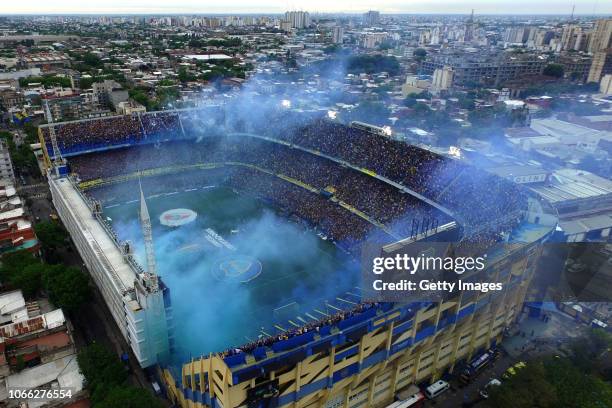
<point>66,107</point>
<point>442,79</point>
<point>601,65</point>
<point>601,38</point>
<point>605,86</point>
<point>16,231</point>
<point>109,93</point>
<point>338,35</point>
<point>298,19</point>
<point>371,18</point>
<point>11,98</point>
<point>7,176</point>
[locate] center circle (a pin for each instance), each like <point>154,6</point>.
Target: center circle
<point>236,268</point>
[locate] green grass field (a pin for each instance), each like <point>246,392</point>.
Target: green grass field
<point>300,272</point>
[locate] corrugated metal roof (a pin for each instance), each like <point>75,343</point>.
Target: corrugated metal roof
<point>569,184</point>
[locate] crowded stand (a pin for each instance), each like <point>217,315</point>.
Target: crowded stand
<point>477,197</point>
<point>94,133</point>
<point>384,203</point>
<point>441,179</point>
<point>298,331</point>
<point>160,123</point>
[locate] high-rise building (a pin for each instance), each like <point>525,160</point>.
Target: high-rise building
<point>373,40</point>
<point>470,28</point>
<point>572,38</point>
<point>371,18</point>
<point>338,35</point>
<point>442,79</point>
<point>605,86</point>
<point>602,36</point>
<point>601,65</point>
<point>298,19</point>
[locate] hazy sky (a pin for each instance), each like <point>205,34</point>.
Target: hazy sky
<point>277,6</point>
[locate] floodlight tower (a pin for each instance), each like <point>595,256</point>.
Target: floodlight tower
<point>59,163</point>
<point>145,223</point>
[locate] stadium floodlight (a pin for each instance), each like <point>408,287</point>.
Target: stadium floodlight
<point>387,130</point>
<point>332,114</point>
<point>286,103</point>
<point>454,151</point>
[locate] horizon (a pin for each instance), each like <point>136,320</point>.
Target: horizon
<point>268,7</point>
<point>280,13</point>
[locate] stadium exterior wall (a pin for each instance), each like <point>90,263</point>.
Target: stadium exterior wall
<point>139,312</point>
<point>366,364</point>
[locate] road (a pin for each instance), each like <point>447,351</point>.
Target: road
<point>532,338</point>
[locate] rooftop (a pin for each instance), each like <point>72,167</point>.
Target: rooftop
<point>570,184</point>
<point>64,371</point>
<point>98,237</point>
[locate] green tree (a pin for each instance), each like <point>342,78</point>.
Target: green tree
<point>552,382</point>
<point>554,70</point>
<point>29,280</point>
<point>14,263</point>
<point>128,397</point>
<point>51,234</point>
<point>92,60</point>
<point>100,367</point>
<point>185,76</point>
<point>420,54</point>
<point>371,64</point>
<point>68,287</point>
<point>527,389</point>
<point>467,103</point>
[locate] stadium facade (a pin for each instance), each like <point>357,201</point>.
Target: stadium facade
<point>363,359</point>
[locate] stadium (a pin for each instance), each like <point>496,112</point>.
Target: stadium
<point>227,250</point>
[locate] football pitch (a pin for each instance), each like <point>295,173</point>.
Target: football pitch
<point>239,271</point>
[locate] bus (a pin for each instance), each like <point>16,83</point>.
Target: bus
<point>414,401</point>
<point>477,364</point>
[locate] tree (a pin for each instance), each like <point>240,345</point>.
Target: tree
<point>554,70</point>
<point>128,397</point>
<point>14,263</point>
<point>92,60</point>
<point>185,76</point>
<point>421,109</point>
<point>29,280</point>
<point>371,64</point>
<point>527,389</point>
<point>467,103</point>
<point>420,54</point>
<point>410,100</point>
<point>51,234</point>
<point>68,287</point>
<point>105,377</point>
<point>552,382</point>
<point>100,367</point>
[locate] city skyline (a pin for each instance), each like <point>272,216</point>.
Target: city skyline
<point>38,7</point>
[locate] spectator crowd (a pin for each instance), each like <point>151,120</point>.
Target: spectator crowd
<point>278,172</point>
